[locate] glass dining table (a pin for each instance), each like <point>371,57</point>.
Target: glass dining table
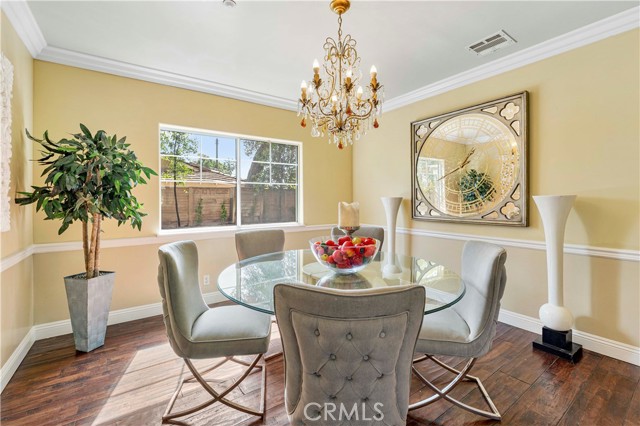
<point>250,282</point>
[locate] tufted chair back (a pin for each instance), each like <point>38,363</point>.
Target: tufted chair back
<point>182,301</point>
<point>255,243</point>
<point>348,353</point>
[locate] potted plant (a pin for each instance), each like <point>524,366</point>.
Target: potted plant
<point>89,178</point>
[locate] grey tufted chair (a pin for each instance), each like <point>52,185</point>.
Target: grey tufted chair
<point>376,232</point>
<point>346,351</point>
<point>468,328</point>
<point>255,243</point>
<point>196,331</point>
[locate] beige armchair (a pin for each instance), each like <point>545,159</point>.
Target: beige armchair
<point>468,328</point>
<point>196,331</point>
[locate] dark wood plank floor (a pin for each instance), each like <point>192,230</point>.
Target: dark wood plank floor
<point>130,380</point>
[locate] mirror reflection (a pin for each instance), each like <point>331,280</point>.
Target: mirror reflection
<point>468,165</point>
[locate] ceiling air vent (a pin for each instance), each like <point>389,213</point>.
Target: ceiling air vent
<point>492,43</point>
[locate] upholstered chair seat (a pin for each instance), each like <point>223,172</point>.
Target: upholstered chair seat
<point>443,326</point>
<point>348,349</point>
<point>467,328</point>
<point>238,331</point>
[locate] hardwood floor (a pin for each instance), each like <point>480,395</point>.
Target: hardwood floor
<point>130,380</point>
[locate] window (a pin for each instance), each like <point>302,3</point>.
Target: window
<point>210,179</point>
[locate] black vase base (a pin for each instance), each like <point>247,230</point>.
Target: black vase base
<point>558,343</point>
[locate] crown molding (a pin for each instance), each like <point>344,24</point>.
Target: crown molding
<point>25,24</point>
<point>124,69</point>
<point>613,25</point>
<point>27,28</point>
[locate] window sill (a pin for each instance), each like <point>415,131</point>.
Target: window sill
<point>222,231</point>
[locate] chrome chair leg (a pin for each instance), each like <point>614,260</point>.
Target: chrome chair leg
<point>169,417</point>
<point>443,393</point>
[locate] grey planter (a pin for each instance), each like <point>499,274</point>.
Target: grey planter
<point>89,303</point>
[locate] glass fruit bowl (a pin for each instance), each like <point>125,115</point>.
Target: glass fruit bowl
<point>345,256</point>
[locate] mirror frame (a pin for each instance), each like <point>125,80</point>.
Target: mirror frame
<point>422,209</point>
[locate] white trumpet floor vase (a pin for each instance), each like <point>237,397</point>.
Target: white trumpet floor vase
<point>557,320</point>
<point>391,208</point>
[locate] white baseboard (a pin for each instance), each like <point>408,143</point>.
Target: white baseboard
<point>58,328</point>
<point>12,364</point>
<point>601,345</point>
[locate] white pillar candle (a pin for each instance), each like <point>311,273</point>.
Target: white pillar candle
<point>348,214</point>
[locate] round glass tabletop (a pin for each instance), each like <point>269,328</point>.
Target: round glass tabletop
<point>250,282</point>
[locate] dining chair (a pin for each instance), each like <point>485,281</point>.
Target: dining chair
<point>376,232</point>
<point>348,353</point>
<point>257,242</point>
<point>467,328</point>
<point>196,331</point>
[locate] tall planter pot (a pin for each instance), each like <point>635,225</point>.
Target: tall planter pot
<point>89,303</point>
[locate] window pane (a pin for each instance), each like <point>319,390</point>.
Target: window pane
<point>281,153</point>
<point>218,148</point>
<point>251,151</point>
<point>180,168</point>
<point>178,143</point>
<point>199,204</point>
<point>258,172</point>
<point>255,150</point>
<point>284,174</point>
<point>268,203</point>
<point>218,169</point>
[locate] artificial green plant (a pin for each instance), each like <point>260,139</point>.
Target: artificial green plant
<point>89,177</point>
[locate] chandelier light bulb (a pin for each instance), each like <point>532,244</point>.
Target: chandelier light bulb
<point>359,93</point>
<point>373,72</point>
<point>303,85</point>
<point>316,66</point>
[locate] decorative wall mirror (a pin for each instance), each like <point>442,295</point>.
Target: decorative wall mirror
<point>471,165</point>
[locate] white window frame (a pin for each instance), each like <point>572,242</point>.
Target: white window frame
<point>238,137</point>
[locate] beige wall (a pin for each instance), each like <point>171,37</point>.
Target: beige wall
<point>66,96</point>
<point>584,139</point>
<point>16,303</point>
<point>136,272</point>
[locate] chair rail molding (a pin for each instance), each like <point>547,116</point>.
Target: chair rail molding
<point>577,249</point>
<point>167,238</point>
<point>14,259</point>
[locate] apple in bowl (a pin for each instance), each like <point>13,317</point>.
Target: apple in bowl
<point>347,255</point>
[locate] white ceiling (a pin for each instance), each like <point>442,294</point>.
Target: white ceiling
<point>267,47</point>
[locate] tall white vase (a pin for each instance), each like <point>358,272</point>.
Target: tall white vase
<point>554,210</point>
<point>391,207</point>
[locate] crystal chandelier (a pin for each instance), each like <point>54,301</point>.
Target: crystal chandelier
<point>335,104</point>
